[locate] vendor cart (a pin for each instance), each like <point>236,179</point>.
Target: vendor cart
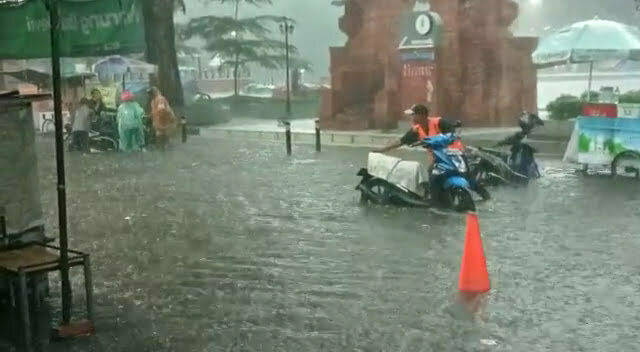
<point>612,142</point>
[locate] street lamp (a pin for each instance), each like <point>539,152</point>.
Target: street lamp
<point>287,28</point>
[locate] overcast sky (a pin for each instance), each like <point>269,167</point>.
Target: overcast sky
<point>316,31</point>
<point>317,27</point>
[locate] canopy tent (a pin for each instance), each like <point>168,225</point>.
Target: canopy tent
<point>589,42</point>
<point>38,71</point>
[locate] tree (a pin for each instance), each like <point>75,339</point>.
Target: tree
<point>241,41</point>
<point>161,46</point>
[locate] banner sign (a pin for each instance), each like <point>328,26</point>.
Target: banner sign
<point>600,110</point>
<point>88,28</point>
<point>600,139</point>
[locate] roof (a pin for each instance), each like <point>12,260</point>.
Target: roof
<point>13,98</point>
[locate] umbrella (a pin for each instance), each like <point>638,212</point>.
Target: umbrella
<point>588,42</point>
<point>119,65</point>
<point>217,61</point>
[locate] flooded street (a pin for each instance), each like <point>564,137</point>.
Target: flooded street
<point>220,246</point>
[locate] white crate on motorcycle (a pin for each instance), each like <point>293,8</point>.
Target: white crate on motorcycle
<point>409,174</point>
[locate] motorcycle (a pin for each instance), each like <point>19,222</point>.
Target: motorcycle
<point>104,135</point>
<point>495,167</point>
<point>450,167</point>
<point>451,171</point>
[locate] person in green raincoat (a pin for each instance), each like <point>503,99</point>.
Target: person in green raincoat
<point>130,123</point>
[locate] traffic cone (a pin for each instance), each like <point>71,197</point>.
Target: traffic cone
<point>474,277</point>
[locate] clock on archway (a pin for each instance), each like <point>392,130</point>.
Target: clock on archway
<point>424,24</point>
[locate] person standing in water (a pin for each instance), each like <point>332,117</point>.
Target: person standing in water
<point>130,123</point>
<point>80,126</point>
<point>96,103</point>
<point>163,118</point>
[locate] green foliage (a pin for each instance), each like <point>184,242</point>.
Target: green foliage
<point>630,97</point>
<point>594,96</point>
<point>609,144</point>
<point>565,107</point>
<point>569,106</point>
<point>182,48</point>
<point>243,41</point>
<point>583,143</point>
<point>271,108</point>
<point>616,148</point>
<point>204,112</point>
<point>222,26</point>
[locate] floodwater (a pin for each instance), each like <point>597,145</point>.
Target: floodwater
<point>223,246</point>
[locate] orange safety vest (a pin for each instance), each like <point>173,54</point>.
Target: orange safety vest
<point>434,130</point>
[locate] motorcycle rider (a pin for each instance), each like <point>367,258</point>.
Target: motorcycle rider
<point>423,127</point>
<point>438,173</point>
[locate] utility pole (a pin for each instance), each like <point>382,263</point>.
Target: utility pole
<point>287,28</point>
<point>54,19</point>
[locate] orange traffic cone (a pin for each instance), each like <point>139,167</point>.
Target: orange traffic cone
<point>474,278</point>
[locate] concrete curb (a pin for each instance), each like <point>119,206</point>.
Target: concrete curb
<point>548,148</point>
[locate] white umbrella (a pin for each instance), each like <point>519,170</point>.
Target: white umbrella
<point>588,42</point>
<point>216,61</point>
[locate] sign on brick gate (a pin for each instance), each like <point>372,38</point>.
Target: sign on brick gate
<point>420,30</point>
<point>418,82</point>
<point>411,55</point>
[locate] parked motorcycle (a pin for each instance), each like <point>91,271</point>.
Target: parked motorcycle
<point>104,133</point>
<point>491,166</point>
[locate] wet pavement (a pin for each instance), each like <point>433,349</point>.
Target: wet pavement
<point>218,246</point>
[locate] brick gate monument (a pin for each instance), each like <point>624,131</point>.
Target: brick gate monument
<point>472,69</point>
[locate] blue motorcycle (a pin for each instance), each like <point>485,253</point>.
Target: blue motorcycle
<point>448,187</point>
<point>449,182</point>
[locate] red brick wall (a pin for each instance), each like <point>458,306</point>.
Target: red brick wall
<point>484,75</point>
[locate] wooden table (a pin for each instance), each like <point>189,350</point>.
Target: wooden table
<point>36,259</point>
